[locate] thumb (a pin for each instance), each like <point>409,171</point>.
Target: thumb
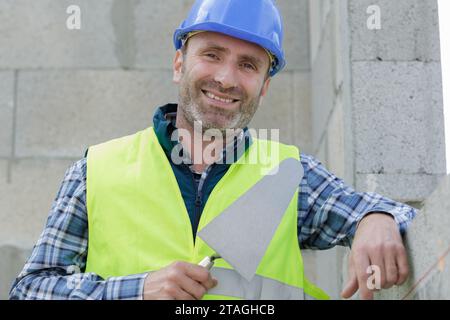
<point>351,287</point>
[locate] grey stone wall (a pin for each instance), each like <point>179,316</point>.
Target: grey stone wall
<point>62,90</point>
<point>397,90</point>
<point>428,243</point>
<point>377,109</point>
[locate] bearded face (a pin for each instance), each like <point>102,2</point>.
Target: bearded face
<point>195,100</point>
<point>221,81</point>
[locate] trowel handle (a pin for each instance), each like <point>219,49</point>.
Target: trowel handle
<point>207,263</point>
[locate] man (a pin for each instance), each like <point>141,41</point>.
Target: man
<point>124,223</point>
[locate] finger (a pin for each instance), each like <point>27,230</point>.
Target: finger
<point>362,262</point>
<point>201,275</point>
<point>211,282</point>
<point>390,265</point>
<point>196,272</point>
<point>402,265</point>
<point>192,287</point>
<point>352,282</point>
<point>351,287</point>
<point>376,273</point>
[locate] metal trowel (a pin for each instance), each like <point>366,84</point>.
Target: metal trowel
<point>243,231</point>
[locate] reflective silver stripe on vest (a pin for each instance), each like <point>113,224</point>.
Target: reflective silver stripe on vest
<point>259,288</point>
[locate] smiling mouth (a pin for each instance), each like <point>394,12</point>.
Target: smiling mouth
<point>219,99</point>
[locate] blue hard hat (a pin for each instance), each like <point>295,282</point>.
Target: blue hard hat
<point>257,21</point>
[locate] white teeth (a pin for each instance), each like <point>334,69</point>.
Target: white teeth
<point>210,95</point>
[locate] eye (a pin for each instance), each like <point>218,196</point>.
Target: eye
<point>212,55</point>
<point>248,66</point>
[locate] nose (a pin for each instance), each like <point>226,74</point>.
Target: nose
<point>226,76</point>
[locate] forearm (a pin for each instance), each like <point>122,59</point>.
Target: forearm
<point>55,284</point>
<point>330,210</point>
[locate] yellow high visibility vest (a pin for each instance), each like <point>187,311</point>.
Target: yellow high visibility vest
<point>138,221</point>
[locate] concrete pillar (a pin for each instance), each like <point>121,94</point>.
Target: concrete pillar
<point>377,106</point>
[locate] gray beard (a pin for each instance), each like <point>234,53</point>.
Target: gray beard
<point>193,112</point>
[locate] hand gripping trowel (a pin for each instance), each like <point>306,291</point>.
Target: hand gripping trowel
<point>243,231</point>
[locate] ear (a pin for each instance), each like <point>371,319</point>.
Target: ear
<point>264,90</point>
<point>265,87</point>
<point>177,66</point>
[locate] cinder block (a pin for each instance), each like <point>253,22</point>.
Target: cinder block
<point>398,118</point>
<point>35,35</point>
<point>329,271</point>
<point>325,9</point>
<point>3,171</point>
<point>336,150</point>
<point>11,264</point>
<point>300,121</point>
<point>61,113</point>
<point>409,31</point>
<point>322,88</point>
<point>428,241</point>
<point>322,152</point>
<point>6,112</point>
<point>310,265</point>
<point>315,29</point>
<point>340,44</point>
<point>26,201</point>
<point>155,24</point>
<point>277,108</point>
<point>438,283</point>
<point>401,187</point>
<point>296,33</point>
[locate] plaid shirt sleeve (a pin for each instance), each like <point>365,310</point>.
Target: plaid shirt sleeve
<point>55,269</point>
<point>329,211</point>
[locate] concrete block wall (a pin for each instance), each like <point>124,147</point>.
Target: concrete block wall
<point>62,90</point>
<point>397,88</point>
<point>6,111</point>
<point>428,243</point>
<point>287,105</point>
<point>330,120</point>
<point>377,110</point>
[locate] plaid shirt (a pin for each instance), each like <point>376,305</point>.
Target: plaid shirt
<point>328,214</point>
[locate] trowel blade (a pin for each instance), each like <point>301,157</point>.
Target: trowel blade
<point>243,231</point>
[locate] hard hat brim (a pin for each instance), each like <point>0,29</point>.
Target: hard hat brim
<point>236,33</point>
